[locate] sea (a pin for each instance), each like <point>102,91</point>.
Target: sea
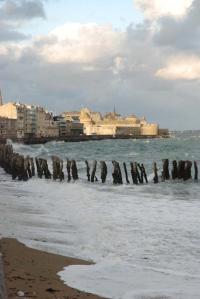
<point>143,240</point>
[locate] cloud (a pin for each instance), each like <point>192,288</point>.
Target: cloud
<point>157,8</point>
<point>8,33</point>
<point>15,10</point>
<point>181,67</point>
<point>117,68</point>
<point>183,33</point>
<point>80,43</point>
<point>14,13</point>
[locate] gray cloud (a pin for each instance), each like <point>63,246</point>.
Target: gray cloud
<point>15,10</point>
<point>180,33</point>
<point>7,33</point>
<point>12,15</point>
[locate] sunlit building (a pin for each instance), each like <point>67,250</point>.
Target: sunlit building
<point>31,121</point>
<point>113,124</point>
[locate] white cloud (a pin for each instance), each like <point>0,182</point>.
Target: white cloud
<point>154,9</point>
<point>181,67</point>
<point>81,43</point>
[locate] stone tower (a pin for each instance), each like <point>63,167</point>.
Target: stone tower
<point>1,99</point>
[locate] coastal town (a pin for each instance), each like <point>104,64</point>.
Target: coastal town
<point>22,122</point>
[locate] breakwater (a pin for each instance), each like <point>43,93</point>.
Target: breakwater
<point>25,167</point>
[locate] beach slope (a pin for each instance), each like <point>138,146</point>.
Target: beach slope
<point>34,273</point>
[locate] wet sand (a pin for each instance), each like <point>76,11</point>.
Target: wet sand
<point>34,272</point>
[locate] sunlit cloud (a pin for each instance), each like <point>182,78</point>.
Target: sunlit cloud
<point>181,67</point>
<point>157,8</point>
<point>81,43</point>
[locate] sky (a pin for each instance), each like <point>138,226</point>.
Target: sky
<point>141,56</point>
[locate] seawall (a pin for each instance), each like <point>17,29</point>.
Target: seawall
<point>80,138</point>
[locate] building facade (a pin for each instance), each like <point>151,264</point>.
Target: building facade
<point>68,127</point>
<point>7,128</point>
<point>112,124</point>
<point>31,121</point>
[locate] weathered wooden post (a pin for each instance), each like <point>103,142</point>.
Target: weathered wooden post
<point>165,172</point>
<point>87,170</point>
<point>94,168</point>
<point>117,175</point>
<point>144,173</point>
<point>141,176</point>
<point>181,169</point>
<point>74,170</point>
<point>32,167</point>
<point>155,169</point>
<point>174,170</point>
<point>103,171</point>
<point>25,169</point>
<point>68,170</point>
<point>20,165</point>
<point>29,168</point>
<point>45,169</point>
<point>56,167</point>
<point>61,173</point>
<point>126,173</point>
<point>38,166</point>
<point>14,166</point>
<point>188,170</point>
<point>195,171</point>
<point>134,173</point>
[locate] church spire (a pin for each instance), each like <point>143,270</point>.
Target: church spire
<point>1,99</point>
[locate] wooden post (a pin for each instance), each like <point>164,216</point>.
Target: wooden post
<point>15,171</point>
<point>144,173</point>
<point>141,174</point>
<point>117,175</point>
<point>155,169</point>
<point>94,168</point>
<point>103,171</point>
<point>74,170</point>
<point>32,167</point>
<point>29,168</point>
<point>61,173</point>
<point>134,173</point>
<point>181,169</point>
<point>188,170</point>
<point>56,167</point>
<point>68,170</point>
<point>25,169</point>
<point>174,170</point>
<point>39,171</point>
<point>126,173</point>
<point>139,178</point>
<point>165,172</point>
<point>45,169</point>
<point>87,170</point>
<point>195,171</point>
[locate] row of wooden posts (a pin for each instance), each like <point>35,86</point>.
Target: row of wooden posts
<point>24,168</point>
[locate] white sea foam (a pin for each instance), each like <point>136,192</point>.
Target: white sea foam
<point>117,279</point>
<point>144,240</point>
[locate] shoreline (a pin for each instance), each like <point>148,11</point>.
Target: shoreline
<point>34,272</point>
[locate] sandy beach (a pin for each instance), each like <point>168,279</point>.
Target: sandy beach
<point>34,273</point>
